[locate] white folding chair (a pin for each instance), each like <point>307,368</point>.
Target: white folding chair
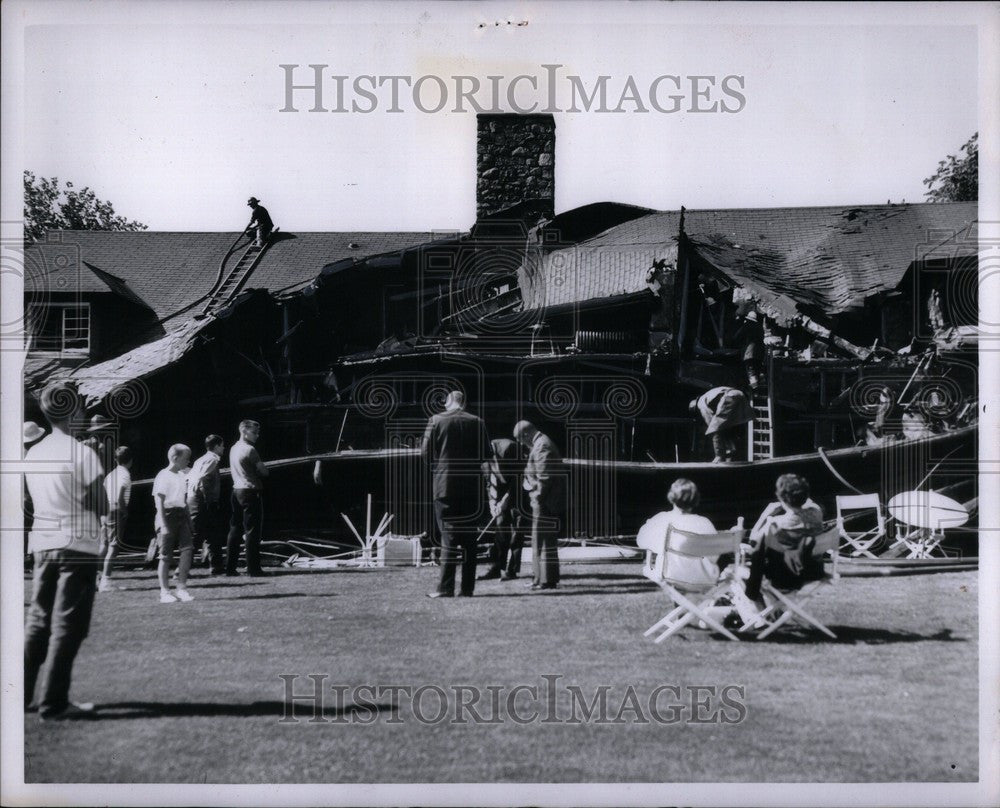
<point>788,605</point>
<point>916,542</point>
<point>678,571</point>
<point>859,540</point>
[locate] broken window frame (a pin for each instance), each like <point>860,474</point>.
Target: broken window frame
<point>74,327</point>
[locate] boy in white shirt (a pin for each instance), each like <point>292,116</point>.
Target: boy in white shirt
<point>173,524</point>
<point>118,486</point>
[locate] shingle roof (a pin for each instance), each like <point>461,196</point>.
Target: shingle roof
<point>97,381</point>
<point>830,258</point>
<point>613,263</point>
<point>168,271</point>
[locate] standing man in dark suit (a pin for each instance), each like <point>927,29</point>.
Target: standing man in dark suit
<point>545,484</point>
<point>456,445</point>
<point>503,487</point>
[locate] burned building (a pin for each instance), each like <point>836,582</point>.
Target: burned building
<point>599,324</point>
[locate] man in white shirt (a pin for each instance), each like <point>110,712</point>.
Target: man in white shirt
<point>203,503</point>
<point>173,523</point>
<point>118,487</point>
<point>68,495</point>
<point>248,482</point>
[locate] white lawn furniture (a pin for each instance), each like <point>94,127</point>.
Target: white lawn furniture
<point>921,519</point>
<point>785,605</point>
<point>858,541</point>
<point>678,570</point>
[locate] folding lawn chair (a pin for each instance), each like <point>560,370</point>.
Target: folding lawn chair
<point>678,572</point>
<point>861,539</point>
<point>788,605</point>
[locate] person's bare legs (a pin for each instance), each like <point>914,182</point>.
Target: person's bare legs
<point>106,572</point>
<point>183,567</point>
<point>163,573</point>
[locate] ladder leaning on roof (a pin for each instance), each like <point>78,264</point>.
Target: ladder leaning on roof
<point>228,286</point>
<point>760,432</point>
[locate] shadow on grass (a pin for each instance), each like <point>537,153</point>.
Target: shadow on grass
<point>193,583</point>
<point>299,571</point>
<point>123,710</point>
<point>856,635</point>
<point>277,596</point>
<point>638,588</point>
<point>604,576</point>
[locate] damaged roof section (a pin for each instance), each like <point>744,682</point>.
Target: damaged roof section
<point>823,260</point>
<point>612,264</point>
<point>97,381</point>
<point>828,259</point>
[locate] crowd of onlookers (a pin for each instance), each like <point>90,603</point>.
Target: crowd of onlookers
<point>78,517</point>
<point>80,514</point>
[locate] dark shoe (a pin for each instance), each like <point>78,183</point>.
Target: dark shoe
<point>72,712</point>
<point>440,595</point>
<point>31,708</point>
<point>465,594</point>
<point>508,576</point>
<point>549,586</point>
<point>492,575</point>
<point>233,574</point>
<point>259,574</point>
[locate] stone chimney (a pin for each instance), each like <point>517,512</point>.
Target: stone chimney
<point>515,164</point>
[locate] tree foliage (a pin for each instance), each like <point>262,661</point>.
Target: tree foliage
<point>957,177</point>
<point>47,206</point>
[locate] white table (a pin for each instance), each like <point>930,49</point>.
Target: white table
<point>925,515</point>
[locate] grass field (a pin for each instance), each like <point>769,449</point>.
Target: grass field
<point>190,692</point>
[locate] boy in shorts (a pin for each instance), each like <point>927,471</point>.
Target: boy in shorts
<point>173,523</point>
<point>118,486</point>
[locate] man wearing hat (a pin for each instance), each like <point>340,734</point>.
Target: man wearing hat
<point>32,434</point>
<point>722,409</point>
<point>261,220</point>
<point>64,539</point>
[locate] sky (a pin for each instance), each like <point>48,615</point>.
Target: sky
<point>176,118</point>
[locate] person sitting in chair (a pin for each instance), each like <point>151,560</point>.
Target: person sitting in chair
<point>783,537</point>
<point>684,498</point>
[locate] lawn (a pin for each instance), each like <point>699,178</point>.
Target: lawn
<point>191,692</point>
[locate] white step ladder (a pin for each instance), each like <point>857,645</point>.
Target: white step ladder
<point>760,435</point>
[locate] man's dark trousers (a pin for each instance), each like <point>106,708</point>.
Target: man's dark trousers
<point>246,519</point>
<point>206,529</point>
<point>508,537</point>
<point>458,545</point>
<point>545,545</point>
<point>57,622</point>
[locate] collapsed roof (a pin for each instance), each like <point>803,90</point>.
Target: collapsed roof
<point>828,259</point>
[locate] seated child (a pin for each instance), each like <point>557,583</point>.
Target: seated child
<point>783,539</point>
